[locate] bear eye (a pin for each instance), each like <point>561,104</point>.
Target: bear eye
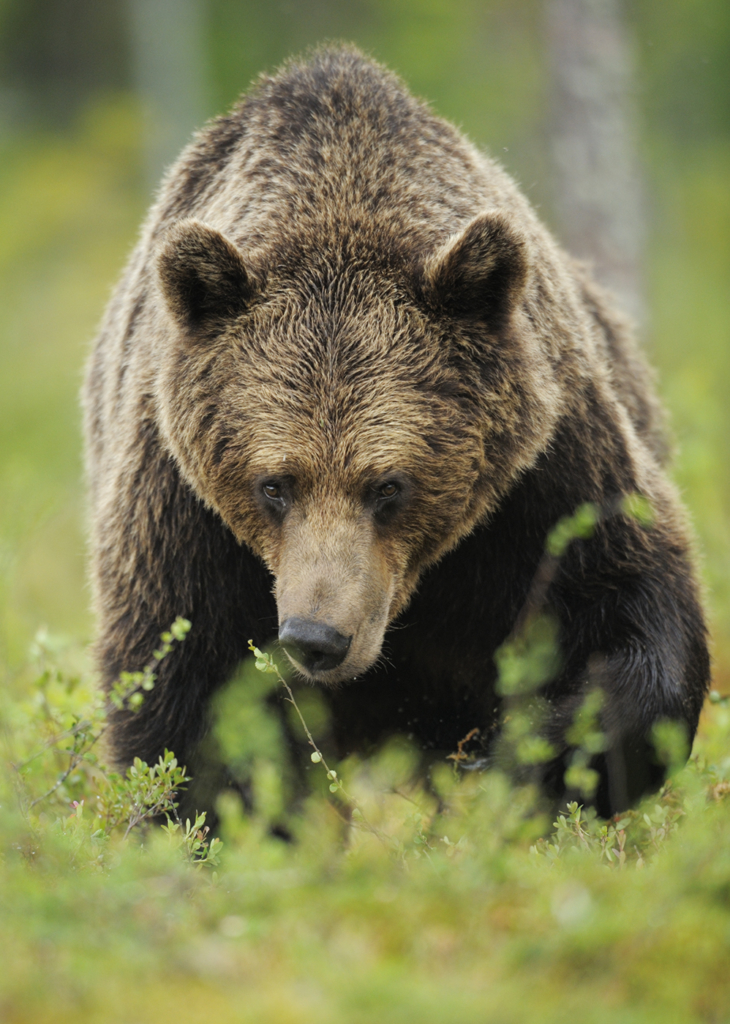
<point>388,490</point>
<point>272,491</point>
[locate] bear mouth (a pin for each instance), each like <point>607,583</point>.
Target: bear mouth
<point>332,645</point>
<point>313,646</point>
<point>320,654</point>
<point>331,677</point>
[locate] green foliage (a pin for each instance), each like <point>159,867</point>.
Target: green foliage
<point>69,209</point>
<point>129,690</point>
<point>397,901</point>
<point>52,746</point>
<point>580,525</point>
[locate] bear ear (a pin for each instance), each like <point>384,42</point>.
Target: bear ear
<point>204,279</point>
<point>480,273</point>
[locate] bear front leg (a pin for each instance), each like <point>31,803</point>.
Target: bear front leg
<point>630,626</point>
<point>160,553</point>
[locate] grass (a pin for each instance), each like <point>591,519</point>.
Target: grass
<point>459,900</point>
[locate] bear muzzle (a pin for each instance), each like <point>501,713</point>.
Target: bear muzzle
<point>334,590</point>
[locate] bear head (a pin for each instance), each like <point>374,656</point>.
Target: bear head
<point>349,414</point>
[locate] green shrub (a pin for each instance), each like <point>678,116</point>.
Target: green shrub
<point>398,900</point>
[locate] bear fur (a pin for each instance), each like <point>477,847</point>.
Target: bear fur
<point>346,387</point>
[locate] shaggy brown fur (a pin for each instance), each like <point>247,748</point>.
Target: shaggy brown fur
<point>348,364</point>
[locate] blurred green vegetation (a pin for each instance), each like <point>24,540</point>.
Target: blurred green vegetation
<point>476,929</point>
<point>397,901</point>
<point>69,207</point>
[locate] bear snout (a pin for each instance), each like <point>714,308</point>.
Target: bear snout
<point>314,646</point>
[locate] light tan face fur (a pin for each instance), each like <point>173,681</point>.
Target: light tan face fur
<point>331,567</point>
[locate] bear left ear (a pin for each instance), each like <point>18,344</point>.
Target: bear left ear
<point>204,279</point>
<point>481,272</point>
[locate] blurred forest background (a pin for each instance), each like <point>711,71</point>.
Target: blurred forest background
<point>97,96</point>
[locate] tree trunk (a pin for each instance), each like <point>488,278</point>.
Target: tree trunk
<point>169,72</point>
<point>597,182</point>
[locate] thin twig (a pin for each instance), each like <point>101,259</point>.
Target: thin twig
<point>53,742</point>
<point>59,781</point>
<point>332,775</point>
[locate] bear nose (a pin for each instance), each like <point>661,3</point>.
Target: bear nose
<point>313,645</point>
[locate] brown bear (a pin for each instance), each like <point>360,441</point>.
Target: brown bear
<point>346,387</point>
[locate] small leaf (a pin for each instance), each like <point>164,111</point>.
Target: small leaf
<point>637,507</point>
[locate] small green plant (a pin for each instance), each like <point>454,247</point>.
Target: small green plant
<point>129,690</point>
<point>191,838</point>
<point>265,663</point>
<point>73,735</point>
<point>530,658</point>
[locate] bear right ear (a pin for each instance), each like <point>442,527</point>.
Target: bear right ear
<point>204,279</point>
<point>480,272</point>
